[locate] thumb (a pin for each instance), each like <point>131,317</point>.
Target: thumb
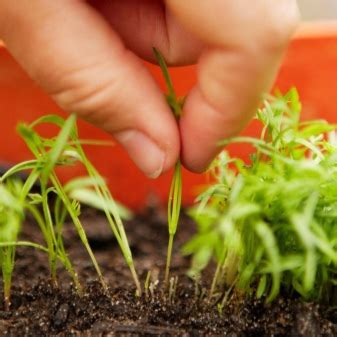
<point>73,53</point>
<point>245,42</point>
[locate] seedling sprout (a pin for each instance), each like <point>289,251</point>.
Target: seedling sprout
<point>174,200</point>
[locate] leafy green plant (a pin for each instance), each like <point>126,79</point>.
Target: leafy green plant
<point>272,222</point>
<point>63,150</point>
<point>174,200</point>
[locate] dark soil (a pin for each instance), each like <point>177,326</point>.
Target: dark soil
<point>40,309</point>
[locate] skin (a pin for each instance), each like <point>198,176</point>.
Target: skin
<point>86,56</point>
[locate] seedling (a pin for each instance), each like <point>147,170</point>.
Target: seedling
<point>271,222</point>
<point>11,215</point>
<point>172,289</point>
<point>63,150</point>
<point>174,201</point>
<point>147,284</point>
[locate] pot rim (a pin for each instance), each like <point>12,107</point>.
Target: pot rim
<point>305,30</point>
<point>316,29</point>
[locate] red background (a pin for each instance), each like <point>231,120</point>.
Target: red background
<point>310,65</point>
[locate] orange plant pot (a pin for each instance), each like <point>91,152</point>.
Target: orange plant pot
<point>310,64</point>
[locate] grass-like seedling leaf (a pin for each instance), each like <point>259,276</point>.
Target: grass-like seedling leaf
<point>58,147</point>
<point>174,201</point>
<point>48,152</point>
<point>270,223</point>
<point>11,217</point>
<point>171,97</point>
<point>82,190</point>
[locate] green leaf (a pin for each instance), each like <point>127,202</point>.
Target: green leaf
<point>59,146</point>
<point>91,198</point>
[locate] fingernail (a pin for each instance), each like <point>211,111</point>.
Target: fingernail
<point>143,151</point>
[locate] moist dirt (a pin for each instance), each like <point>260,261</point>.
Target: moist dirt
<point>39,308</point>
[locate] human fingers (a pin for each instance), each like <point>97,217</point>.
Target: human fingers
<point>144,24</point>
<point>75,55</point>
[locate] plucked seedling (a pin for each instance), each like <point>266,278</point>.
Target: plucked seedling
<point>272,222</point>
<point>174,200</point>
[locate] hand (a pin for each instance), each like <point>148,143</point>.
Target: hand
<point>85,55</point>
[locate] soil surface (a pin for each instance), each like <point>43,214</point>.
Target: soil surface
<point>41,309</point>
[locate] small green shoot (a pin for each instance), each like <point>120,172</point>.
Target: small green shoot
<point>174,201</point>
<point>11,217</point>
<point>172,289</point>
<point>147,284</point>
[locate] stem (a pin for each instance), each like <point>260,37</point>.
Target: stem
<point>7,302</point>
<point>168,259</point>
<point>52,245</point>
<point>61,254</point>
<point>230,267</point>
<point>174,202</point>
<point>60,215</point>
<point>78,227</point>
<point>7,265</point>
<point>147,283</point>
<point>226,294</point>
<point>136,280</point>
<point>217,274</point>
<point>45,250</point>
<point>114,220</point>
<point>174,205</point>
<point>214,281</point>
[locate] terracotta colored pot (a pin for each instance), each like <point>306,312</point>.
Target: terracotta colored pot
<point>310,65</point>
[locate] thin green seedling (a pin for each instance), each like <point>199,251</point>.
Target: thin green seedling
<point>112,212</point>
<point>226,298</point>
<point>113,216</point>
<point>68,150</point>
<point>12,208</point>
<point>7,261</point>
<point>216,277</point>
<point>147,284</point>
<point>153,287</point>
<point>41,171</point>
<point>42,215</point>
<point>11,217</point>
<point>63,150</point>
<point>24,244</point>
<point>175,194</point>
<point>172,289</point>
<point>46,161</point>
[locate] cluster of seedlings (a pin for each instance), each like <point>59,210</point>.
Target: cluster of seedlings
<point>19,198</point>
<point>269,223</point>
